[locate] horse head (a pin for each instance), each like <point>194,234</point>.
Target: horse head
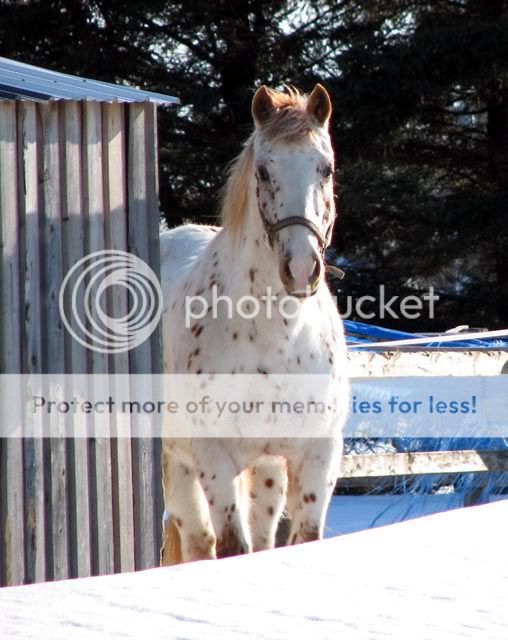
<point>293,163</point>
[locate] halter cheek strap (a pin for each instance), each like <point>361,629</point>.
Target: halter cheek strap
<point>324,241</point>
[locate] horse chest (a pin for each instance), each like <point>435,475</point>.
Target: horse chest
<point>245,349</point>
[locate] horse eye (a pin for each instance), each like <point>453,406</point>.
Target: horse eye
<point>263,173</point>
<point>328,170</point>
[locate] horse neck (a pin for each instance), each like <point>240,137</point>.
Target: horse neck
<point>254,266</point>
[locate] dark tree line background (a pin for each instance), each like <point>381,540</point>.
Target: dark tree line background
<point>420,127</point>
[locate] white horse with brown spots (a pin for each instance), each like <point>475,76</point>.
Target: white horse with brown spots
<point>225,496</point>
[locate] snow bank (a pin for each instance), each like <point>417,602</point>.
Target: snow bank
<point>439,577</point>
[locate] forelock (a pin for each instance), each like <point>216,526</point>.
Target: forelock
<point>289,119</point>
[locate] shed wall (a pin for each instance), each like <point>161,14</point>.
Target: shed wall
<point>75,177</point>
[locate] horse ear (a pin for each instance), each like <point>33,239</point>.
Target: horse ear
<point>319,105</point>
<point>262,105</point>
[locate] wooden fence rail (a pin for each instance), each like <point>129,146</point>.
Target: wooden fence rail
<point>422,463</point>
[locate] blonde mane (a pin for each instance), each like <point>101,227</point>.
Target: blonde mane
<point>287,122</point>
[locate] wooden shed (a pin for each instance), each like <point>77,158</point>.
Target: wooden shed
<point>78,173</point>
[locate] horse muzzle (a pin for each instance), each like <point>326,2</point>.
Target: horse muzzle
<point>301,276</point>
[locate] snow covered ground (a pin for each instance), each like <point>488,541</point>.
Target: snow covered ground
<point>437,577</point>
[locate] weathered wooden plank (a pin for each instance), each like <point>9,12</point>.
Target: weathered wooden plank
<point>31,343</point>
<point>115,207</point>
<point>153,219</point>
<point>94,210</point>
<point>145,466</point>
<point>29,202</point>
<point>12,544</point>
<point>100,448</point>
<point>10,357</point>
<point>54,356</point>
<point>73,220</point>
<point>76,355</point>
<point>116,238</point>
<point>153,222</point>
<point>51,192</point>
<point>422,463</point>
<point>140,197</point>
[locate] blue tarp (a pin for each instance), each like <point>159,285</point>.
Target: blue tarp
<point>359,334</point>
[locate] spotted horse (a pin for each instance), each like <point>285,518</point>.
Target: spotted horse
<point>225,496</point>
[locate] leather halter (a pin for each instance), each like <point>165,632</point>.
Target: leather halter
<point>323,240</point>
<point>273,229</point>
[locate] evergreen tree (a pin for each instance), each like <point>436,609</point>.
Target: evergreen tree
<point>420,119</point>
<point>422,129</point>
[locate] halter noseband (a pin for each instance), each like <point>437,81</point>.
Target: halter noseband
<point>273,229</point>
<point>323,240</point>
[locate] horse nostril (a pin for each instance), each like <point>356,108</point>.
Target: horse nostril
<point>288,276</point>
<point>317,271</point>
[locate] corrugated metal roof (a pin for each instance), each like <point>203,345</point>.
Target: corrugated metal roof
<point>24,81</point>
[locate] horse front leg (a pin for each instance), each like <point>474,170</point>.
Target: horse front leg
<point>220,479</point>
<point>311,481</point>
<point>267,488</point>
<point>187,529</point>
